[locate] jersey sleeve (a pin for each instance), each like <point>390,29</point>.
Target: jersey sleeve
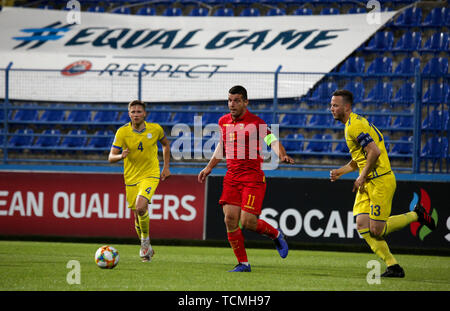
<point>359,133</point>
<point>118,140</point>
<point>161,133</point>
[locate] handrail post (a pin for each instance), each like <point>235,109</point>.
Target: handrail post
<point>417,134</point>
<point>140,82</point>
<point>5,114</point>
<point>275,95</point>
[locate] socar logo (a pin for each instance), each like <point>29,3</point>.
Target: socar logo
<point>417,229</point>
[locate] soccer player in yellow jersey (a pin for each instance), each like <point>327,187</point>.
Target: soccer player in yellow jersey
<point>375,185</point>
<point>136,143</point>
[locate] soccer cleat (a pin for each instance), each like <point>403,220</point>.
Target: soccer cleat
<point>394,271</point>
<point>240,267</point>
<point>146,252</point>
<point>281,244</point>
<point>424,217</point>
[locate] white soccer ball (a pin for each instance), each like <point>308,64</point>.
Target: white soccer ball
<point>107,257</point>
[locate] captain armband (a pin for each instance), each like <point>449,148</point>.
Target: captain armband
<point>269,139</point>
<point>364,139</point>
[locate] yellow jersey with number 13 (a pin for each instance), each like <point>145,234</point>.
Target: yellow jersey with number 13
<point>142,160</point>
<point>358,134</point>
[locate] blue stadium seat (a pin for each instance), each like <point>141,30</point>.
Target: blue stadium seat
<point>24,115</point>
<point>302,11</point>
<point>380,122</point>
<point>403,148</point>
<point>436,66</point>
<point>224,12</point>
<point>211,117</point>
<point>199,11</point>
<point>380,65</point>
<point>357,88</point>
<point>250,12</point>
<point>353,65</point>
<point>323,92</point>
<point>341,147</point>
<point>321,120</point>
<point>105,116</point>
<point>436,120</point>
<point>172,12</point>
<point>96,9</point>
<point>146,11</point>
<point>381,42</point>
<point>22,139</point>
<point>329,11</point>
<point>435,147</point>
<point>276,12</point>
<point>357,10</point>
<point>438,42</point>
<point>76,141</point>
<point>184,117</point>
<point>295,146</point>
<point>48,141</point>
<point>46,7</point>
<point>320,146</point>
<point>79,116</point>
<point>2,137</point>
<point>436,93</point>
<point>410,17</point>
<point>293,119</point>
<point>405,95</point>
<point>408,65</point>
<point>409,42</point>
<point>381,93</point>
<point>436,18</point>
<point>102,139</point>
<point>403,121</point>
<point>121,10</point>
<point>52,116</point>
<point>157,116</point>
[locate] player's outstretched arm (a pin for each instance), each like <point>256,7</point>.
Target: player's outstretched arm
<point>115,155</point>
<point>215,159</point>
<point>166,158</point>
<point>278,147</point>
<point>348,168</point>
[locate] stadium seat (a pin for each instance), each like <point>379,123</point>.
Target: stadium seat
<point>77,116</point>
<point>121,10</point>
<point>50,141</point>
<point>403,148</point>
<point>276,12</point>
<point>405,122</point>
<point>102,139</point>
<point>381,42</point>
<point>22,139</point>
<point>24,115</point>
<point>323,92</point>
<point>76,141</point>
<point>172,12</point>
<point>199,11</point>
<point>157,116</point>
<point>211,117</point>
<point>250,12</point>
<point>146,11</point>
<point>357,10</point>
<point>329,11</point>
<point>184,117</point>
<point>357,88</point>
<point>293,146</point>
<point>96,9</point>
<point>409,42</point>
<point>381,121</point>
<point>353,65</point>
<point>341,147</point>
<point>381,93</point>
<point>438,42</point>
<point>408,65</point>
<point>380,65</point>
<point>436,18</point>
<point>224,12</point>
<point>437,66</point>
<point>436,120</point>
<point>294,119</point>
<point>302,11</point>
<point>54,116</point>
<point>319,146</point>
<point>436,93</point>
<point>404,96</point>
<point>410,17</point>
<point>321,120</point>
<point>435,147</point>
<point>105,116</point>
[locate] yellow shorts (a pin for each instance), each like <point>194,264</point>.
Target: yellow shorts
<point>377,199</point>
<point>145,188</point>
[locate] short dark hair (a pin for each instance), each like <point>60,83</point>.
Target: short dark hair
<point>136,102</point>
<point>239,89</point>
<point>345,94</point>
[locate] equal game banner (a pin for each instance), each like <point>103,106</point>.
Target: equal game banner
<point>84,204</point>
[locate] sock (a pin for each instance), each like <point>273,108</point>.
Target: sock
<point>144,224</point>
<point>138,229</point>
<point>236,240</point>
<point>264,228</point>
<point>398,222</point>
<point>378,246</point>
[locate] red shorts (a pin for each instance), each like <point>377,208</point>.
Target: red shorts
<point>248,195</point>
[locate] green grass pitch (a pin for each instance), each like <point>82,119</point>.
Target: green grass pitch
<point>42,266</point>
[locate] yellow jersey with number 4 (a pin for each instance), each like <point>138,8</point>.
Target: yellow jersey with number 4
<point>358,134</point>
<point>142,160</point>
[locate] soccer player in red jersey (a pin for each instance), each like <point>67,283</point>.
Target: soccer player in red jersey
<point>244,184</point>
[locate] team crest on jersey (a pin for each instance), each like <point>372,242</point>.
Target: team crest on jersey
<point>149,135</point>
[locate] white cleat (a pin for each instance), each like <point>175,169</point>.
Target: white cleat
<point>146,253</point>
